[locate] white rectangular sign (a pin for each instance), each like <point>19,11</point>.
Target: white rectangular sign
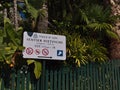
<point>44,46</point>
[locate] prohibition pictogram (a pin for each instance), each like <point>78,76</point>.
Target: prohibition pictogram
<point>37,51</point>
<point>29,50</point>
<point>45,52</point>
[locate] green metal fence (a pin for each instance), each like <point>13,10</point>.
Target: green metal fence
<point>90,77</point>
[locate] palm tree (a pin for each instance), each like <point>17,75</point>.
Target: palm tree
<point>42,19</point>
<point>11,12</point>
<point>115,44</point>
<point>39,16</point>
<point>15,15</point>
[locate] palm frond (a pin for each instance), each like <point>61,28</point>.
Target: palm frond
<point>84,17</point>
<point>31,9</point>
<point>80,17</point>
<point>96,51</point>
<point>100,26</point>
<point>112,34</point>
<point>9,31</point>
<point>98,13</point>
<point>77,49</point>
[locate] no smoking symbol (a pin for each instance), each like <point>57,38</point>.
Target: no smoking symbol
<point>45,52</point>
<point>29,51</point>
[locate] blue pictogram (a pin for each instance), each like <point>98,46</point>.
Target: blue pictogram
<point>59,52</point>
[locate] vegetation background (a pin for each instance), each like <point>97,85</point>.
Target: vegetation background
<point>91,29</point>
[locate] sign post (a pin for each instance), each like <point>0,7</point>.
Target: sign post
<point>44,46</point>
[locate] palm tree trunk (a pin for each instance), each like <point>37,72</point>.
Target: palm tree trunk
<point>5,13</point>
<point>15,15</point>
<point>42,22</point>
<point>115,44</point>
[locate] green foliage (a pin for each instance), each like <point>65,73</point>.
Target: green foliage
<point>11,48</point>
<point>96,52</point>
<point>100,26</point>
<point>76,49</point>
<point>37,67</point>
<point>95,21</point>
<point>31,10</point>
<point>37,3</point>
<point>98,13</point>
<point>84,24</point>
<point>5,4</point>
<point>81,50</point>
<point>112,34</point>
<point>87,26</point>
<point>9,42</point>
<point>35,15</point>
<point>2,21</point>
<point>80,17</point>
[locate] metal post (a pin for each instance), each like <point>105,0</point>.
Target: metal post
<point>43,75</point>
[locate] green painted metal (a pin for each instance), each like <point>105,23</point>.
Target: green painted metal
<point>59,80</point>
<point>18,81</point>
<point>51,80</point>
<point>74,80</point>
<point>27,82</point>
<point>78,80</point>
<point>46,80</point>
<point>43,76</point>
<point>88,77</point>
<point>55,80</point>
<point>67,80</point>
<point>63,80</point>
<point>2,84</point>
<point>13,80</point>
<point>71,85</point>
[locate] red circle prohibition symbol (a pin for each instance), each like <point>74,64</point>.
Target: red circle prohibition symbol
<point>45,52</point>
<point>37,51</point>
<point>29,50</point>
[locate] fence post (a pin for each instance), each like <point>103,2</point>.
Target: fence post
<point>43,75</point>
<point>2,84</point>
<point>13,80</point>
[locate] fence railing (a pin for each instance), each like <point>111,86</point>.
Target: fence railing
<point>89,77</point>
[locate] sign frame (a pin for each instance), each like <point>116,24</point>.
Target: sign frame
<point>44,46</point>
